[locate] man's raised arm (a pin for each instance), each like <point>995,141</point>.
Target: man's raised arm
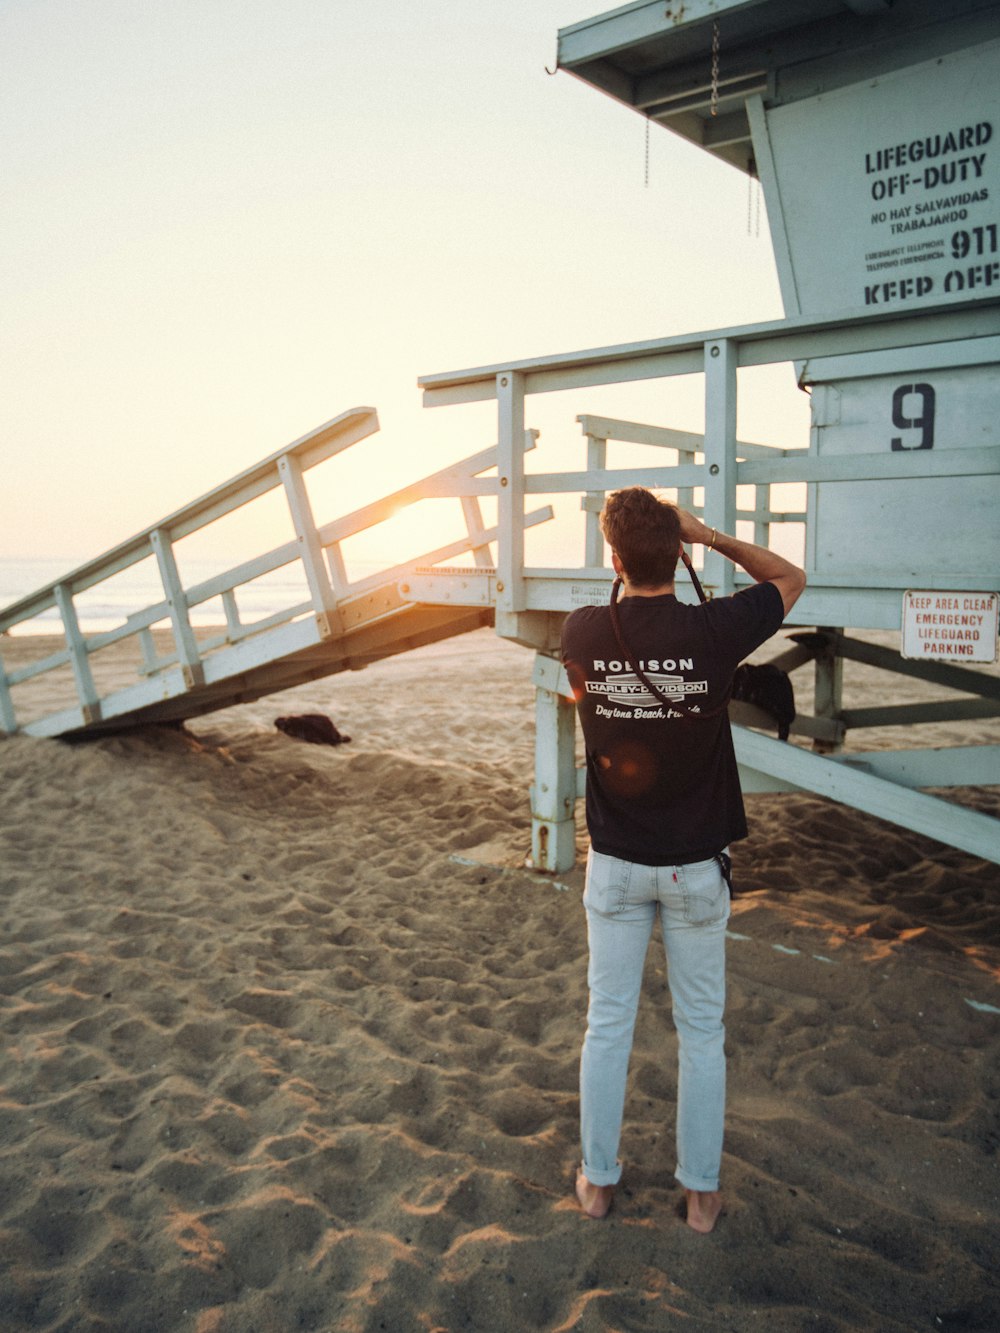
<point>762,564</point>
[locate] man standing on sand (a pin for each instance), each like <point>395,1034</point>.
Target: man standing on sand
<point>663,805</point>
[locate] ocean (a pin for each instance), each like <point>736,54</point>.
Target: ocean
<point>110,603</point>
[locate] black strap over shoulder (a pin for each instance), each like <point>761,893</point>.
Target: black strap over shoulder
<point>695,714</point>
<point>767,686</point>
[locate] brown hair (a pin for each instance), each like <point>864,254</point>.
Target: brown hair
<point>645,534</point>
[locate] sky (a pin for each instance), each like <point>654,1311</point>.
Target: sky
<point>228,221</point>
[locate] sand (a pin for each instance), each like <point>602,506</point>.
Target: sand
<point>290,1041</point>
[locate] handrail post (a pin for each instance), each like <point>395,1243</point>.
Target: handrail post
<point>232,610</point>
<point>147,646</point>
<point>8,717</point>
<point>472,512</point>
<point>338,570</point>
<point>310,549</point>
<point>510,506</point>
<point>762,514</point>
<point>597,459</point>
<point>180,620</point>
<point>86,690</point>
<point>720,454</point>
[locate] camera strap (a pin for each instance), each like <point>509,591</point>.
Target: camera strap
<point>633,661</point>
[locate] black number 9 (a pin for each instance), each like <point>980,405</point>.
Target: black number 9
<point>924,422</point>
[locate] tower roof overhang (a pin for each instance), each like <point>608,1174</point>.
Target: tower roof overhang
<point>656,56</point>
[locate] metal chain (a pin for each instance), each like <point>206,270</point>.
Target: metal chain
<point>715,67</point>
<point>646,174</point>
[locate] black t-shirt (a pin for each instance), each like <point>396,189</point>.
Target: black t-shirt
<point>662,784</point>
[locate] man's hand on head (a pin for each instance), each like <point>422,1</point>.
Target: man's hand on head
<point>692,529</point>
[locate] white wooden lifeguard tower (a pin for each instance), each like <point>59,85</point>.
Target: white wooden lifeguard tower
<point>874,128</point>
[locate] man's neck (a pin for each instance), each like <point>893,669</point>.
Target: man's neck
<point>630,590</point>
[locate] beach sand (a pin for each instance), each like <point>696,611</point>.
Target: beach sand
<point>291,1038</point>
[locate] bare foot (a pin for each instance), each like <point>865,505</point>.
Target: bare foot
<point>595,1200</point>
<point>703,1209</point>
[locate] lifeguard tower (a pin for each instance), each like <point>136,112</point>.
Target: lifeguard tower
<point>874,129</point>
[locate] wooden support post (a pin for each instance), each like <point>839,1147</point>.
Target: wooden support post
<point>762,510</point>
<point>720,455</point>
<point>597,460</point>
<point>184,636</point>
<point>553,797</point>
<point>86,690</point>
<point>685,494</point>
<point>310,550</point>
<point>510,506</point>
<point>8,717</point>
<point>828,698</point>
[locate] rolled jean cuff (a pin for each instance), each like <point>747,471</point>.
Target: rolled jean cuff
<point>702,1184</point>
<point>610,1177</point>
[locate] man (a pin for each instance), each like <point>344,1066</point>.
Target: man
<point>663,805</point>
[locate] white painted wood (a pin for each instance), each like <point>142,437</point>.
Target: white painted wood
<point>796,339</point>
<point>470,588</point>
<point>339,581</point>
<point>957,766</point>
<point>593,501</point>
<point>184,636</point>
<point>665,437</point>
<point>549,674</point>
<point>767,174</point>
<point>278,558</point>
<point>232,611</point>
<point>407,605</point>
<point>761,515</point>
<point>329,439</point>
<point>147,646</point>
<point>511,492</point>
<point>636,432</point>
<point>310,548</point>
<point>8,714</point>
<point>936,673</point>
<point>976,462</point>
<point>661,477</point>
<point>38,668</point>
<point>720,469</point>
<point>459,479</point>
<point>79,658</point>
<point>934,818</point>
<point>828,693</point>
<point>942,356</point>
<point>452,551</point>
<point>909,715</point>
<point>56,724</point>
<point>553,796</point>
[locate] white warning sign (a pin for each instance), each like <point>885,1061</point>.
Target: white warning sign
<point>951,626</point>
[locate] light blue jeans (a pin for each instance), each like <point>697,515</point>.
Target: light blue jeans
<point>623,899</point>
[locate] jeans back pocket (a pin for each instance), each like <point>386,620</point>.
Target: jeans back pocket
<point>706,894</point>
<point>606,886</point>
